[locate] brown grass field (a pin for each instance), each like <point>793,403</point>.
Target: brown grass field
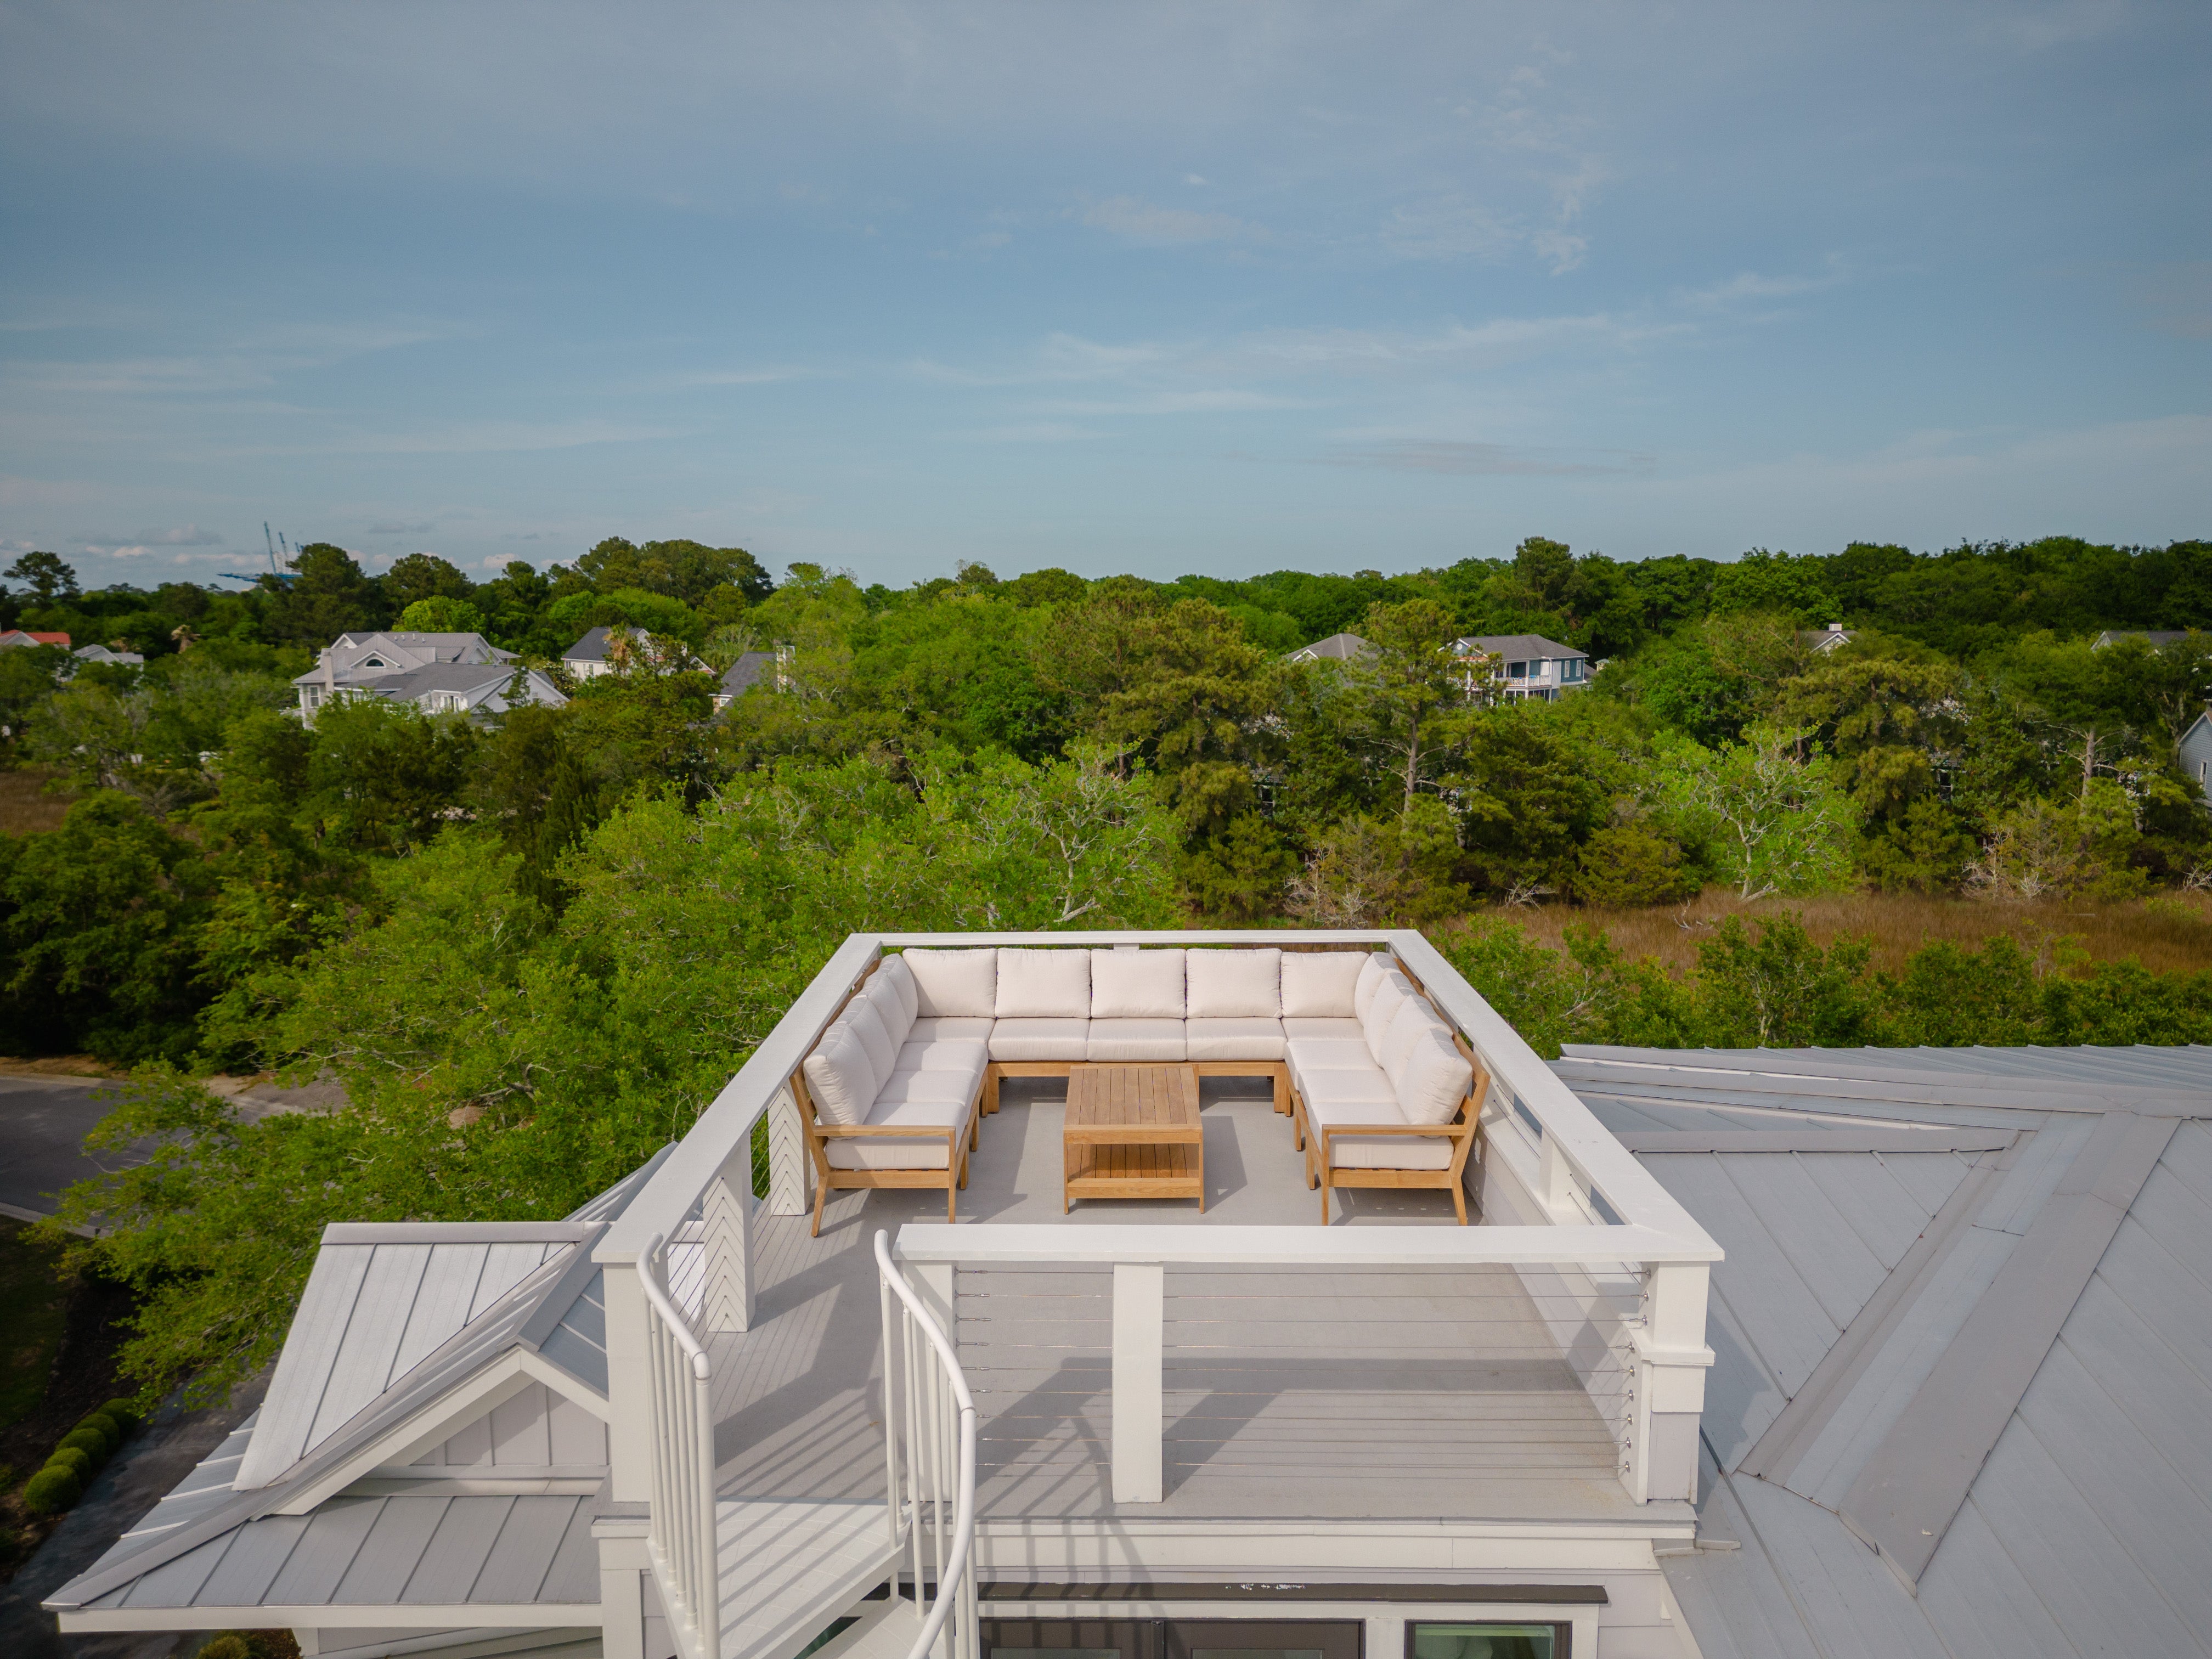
<point>2165,933</point>
<point>24,805</point>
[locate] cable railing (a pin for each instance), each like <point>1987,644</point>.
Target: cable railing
<point>681,1536</point>
<point>929,1458</point>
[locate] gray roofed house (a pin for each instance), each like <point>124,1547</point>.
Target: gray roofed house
<point>1962,1372</point>
<point>2195,753</point>
<point>478,687</point>
<point>2154,637</point>
<point>1822,641</point>
<point>749,670</point>
<point>1337,647</point>
<point>354,664</point>
<point>1521,665</point>
<point>598,652</point>
<point>588,656</point>
<point>108,654</point>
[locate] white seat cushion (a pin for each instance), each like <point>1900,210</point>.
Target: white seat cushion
<point>1040,1039</point>
<point>1134,1040</point>
<point>1434,1079</point>
<point>1310,1056</point>
<point>1372,1151</point>
<point>967,1056</point>
<point>1391,994</point>
<point>1319,984</point>
<point>1044,985</point>
<point>883,996</point>
<point>936,1030</point>
<point>964,984</point>
<point>860,1015</point>
<point>1136,984</point>
<point>925,1103</point>
<point>893,975</point>
<point>1295,1029</point>
<point>841,1079</point>
<point>1235,984</point>
<point>1232,1039</point>
<point>1414,1022</point>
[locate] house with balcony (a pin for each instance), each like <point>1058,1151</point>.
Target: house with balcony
<point>1521,665</point>
<point>1244,1295</point>
<point>439,673</point>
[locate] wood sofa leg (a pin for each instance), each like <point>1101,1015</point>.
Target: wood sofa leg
<point>1324,1198</point>
<point>1459,1201</point>
<point>821,1197</point>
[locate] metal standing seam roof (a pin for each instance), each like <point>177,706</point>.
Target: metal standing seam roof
<point>1958,1396</point>
<point>221,1526</point>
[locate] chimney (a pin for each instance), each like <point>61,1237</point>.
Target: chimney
<point>1835,628</point>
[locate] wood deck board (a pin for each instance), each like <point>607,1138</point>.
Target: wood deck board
<point>1326,1419</point>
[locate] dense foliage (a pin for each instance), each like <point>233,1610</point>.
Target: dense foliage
<point>532,947</point>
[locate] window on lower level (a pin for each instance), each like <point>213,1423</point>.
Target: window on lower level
<point>1486,1641</point>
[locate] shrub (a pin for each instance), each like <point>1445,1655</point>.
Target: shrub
<point>229,1646</point>
<point>126,1415</point>
<point>52,1490</point>
<point>105,1425</point>
<point>73,1457</point>
<point>1630,865</point>
<point>95,1441</point>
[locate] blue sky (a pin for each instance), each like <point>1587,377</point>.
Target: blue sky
<point>1225,288</point>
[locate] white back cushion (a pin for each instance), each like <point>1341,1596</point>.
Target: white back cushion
<point>883,996</point>
<point>1413,1021</point>
<point>1236,984</point>
<point>1136,984</point>
<point>1433,1080</point>
<point>954,984</point>
<point>1372,967</point>
<point>1044,985</point>
<point>868,1024</point>
<point>841,1077</point>
<point>893,972</point>
<point>1319,984</point>
<point>1391,994</point>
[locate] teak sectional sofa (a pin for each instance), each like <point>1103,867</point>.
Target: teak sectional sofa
<point>891,1094</point>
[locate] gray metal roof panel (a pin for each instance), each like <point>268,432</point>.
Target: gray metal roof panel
<point>523,1553</point>
<point>464,1538</point>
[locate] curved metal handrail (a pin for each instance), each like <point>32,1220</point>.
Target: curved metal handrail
<point>656,1292</point>
<point>964,1512</point>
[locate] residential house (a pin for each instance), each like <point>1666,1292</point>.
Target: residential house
<point>1337,647</point>
<point>419,668</point>
<point>1822,641</point>
<point>2195,752</point>
<point>14,636</point>
<point>103,653</point>
<point>2156,638</point>
<point>1523,666</point>
<point>1758,1354</point>
<point>603,650</point>
<point>753,668</point>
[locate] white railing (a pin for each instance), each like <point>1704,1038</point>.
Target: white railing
<point>680,1539</point>
<point>929,1461</point>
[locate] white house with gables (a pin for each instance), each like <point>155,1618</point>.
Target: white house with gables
<point>1244,1295</point>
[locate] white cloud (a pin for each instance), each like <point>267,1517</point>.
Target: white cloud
<point>1447,227</point>
<point>1139,220</point>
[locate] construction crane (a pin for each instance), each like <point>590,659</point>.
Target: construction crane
<point>276,572</point>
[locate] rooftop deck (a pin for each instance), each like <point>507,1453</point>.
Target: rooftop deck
<point>1417,1393</point>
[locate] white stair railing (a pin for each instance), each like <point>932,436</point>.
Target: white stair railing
<point>929,1459</point>
<point>680,1534</point>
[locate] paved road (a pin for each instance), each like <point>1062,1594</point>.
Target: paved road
<point>43,1121</point>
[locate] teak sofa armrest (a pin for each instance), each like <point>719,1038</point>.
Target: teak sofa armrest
<point>846,1131</point>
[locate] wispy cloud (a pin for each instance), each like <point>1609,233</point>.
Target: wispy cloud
<point>1754,288</point>
<point>1138,221</point>
<point>1026,432</point>
<point>1485,460</point>
<point>189,535</point>
<point>399,527</point>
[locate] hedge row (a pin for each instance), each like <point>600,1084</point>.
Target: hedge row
<point>78,1458</point>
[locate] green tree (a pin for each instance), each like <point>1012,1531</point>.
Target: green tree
<point>422,576</point>
<point>1411,692</point>
<point>49,578</point>
<point>330,595</point>
<point>1771,822</point>
<point>441,614</point>
<point>385,777</point>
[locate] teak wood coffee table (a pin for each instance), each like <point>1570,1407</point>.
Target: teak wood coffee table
<point>1133,1132</point>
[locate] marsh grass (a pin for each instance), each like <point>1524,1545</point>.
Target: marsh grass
<point>2166,933</point>
<point>24,804</point>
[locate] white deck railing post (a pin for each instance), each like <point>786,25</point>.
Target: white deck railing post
<point>726,1215</point>
<point>787,1156</point>
<point>1669,1387</point>
<point>1140,1410</point>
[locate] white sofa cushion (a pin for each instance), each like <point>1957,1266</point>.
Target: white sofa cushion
<point>860,1015</point>
<point>1134,1040</point>
<point>1391,994</point>
<point>1310,1056</point>
<point>1373,1151</point>
<point>911,1100</point>
<point>961,983</point>
<point>1232,1039</point>
<point>840,1078</point>
<point>1235,984</point>
<point>967,1056</point>
<point>1136,985</point>
<point>1414,1022</point>
<point>1044,985</point>
<point>1319,984</point>
<point>892,975</point>
<point>883,996</point>
<point>928,1029</point>
<point>1433,1081</point>
<point>1041,1039</point>
<point>1295,1029</point>
<point>1372,969</point>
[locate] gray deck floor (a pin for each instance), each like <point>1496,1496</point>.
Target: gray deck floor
<point>1289,1392</point>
